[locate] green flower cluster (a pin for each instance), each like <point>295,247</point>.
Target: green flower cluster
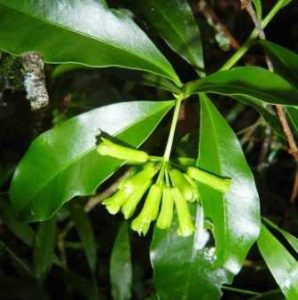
<point>166,188</point>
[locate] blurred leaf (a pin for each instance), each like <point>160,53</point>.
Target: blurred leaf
<point>280,262</point>
<point>293,114</point>
<point>158,82</point>
<point>292,240</point>
<point>63,69</point>
<point>120,268</point>
<point>174,22</point>
<point>22,230</point>
<point>79,284</point>
<point>258,8</point>
<point>84,227</point>
<point>285,61</point>
<point>284,2</point>
<point>251,81</point>
<point>185,268</point>
<point>260,107</point>
<point>270,295</point>
<point>88,32</point>
<point>6,169</point>
<point>63,161</point>
<point>286,64</point>
<point>16,259</point>
<point>43,254</point>
<point>141,78</point>
<point>145,79</point>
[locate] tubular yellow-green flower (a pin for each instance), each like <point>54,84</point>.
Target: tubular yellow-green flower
<point>139,178</point>
<point>114,203</point>
<point>130,205</point>
<point>186,226</point>
<point>165,217</point>
<point>217,183</point>
<point>183,185</point>
<point>149,212</point>
<point>133,156</point>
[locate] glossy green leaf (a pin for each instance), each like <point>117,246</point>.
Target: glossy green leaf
<point>63,161</point>
<point>174,22</point>
<point>43,254</point>
<point>184,266</point>
<point>292,240</point>
<point>22,230</point>
<point>120,267</point>
<point>235,215</point>
<point>85,230</point>
<point>286,64</point>
<point>284,60</point>
<point>84,32</point>
<point>280,262</point>
<point>251,81</point>
<point>202,269</point>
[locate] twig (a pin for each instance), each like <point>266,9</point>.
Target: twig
<point>295,187</point>
<point>293,149</point>
<point>94,201</point>
<point>61,249</point>
<point>254,34</point>
<point>91,203</point>
<point>265,148</point>
<point>248,131</point>
<point>247,5</point>
<point>216,23</point>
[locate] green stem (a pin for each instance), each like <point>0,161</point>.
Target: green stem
<point>241,291</point>
<point>169,145</point>
<point>168,182</point>
<point>254,34</point>
<point>161,174</point>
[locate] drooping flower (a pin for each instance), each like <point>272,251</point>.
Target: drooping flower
<point>132,156</point>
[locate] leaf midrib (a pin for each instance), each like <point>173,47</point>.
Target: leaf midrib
<point>292,71</point>
<point>240,91</point>
<point>80,33</point>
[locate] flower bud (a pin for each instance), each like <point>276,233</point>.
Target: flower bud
<point>149,212</point>
<point>216,182</point>
<point>114,203</point>
<point>130,205</point>
<point>195,189</point>
<point>183,185</point>
<point>186,226</point>
<point>133,156</point>
<point>139,178</point>
<point>165,217</point>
